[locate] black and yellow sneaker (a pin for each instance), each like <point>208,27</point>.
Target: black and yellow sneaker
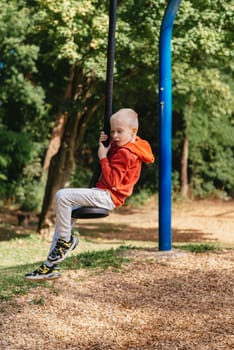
<point>44,273</point>
<point>62,249</point>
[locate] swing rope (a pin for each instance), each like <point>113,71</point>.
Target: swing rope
<point>110,66</point>
<point>109,78</point>
<point>93,212</point>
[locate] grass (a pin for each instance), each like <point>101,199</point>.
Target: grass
<point>12,281</point>
<point>24,255</point>
<point>197,248</point>
<point>98,259</point>
<point>21,255</point>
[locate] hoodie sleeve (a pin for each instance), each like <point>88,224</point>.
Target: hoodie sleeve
<point>114,170</point>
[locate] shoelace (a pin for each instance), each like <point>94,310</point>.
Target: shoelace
<point>41,269</point>
<point>56,251</point>
<point>63,244</point>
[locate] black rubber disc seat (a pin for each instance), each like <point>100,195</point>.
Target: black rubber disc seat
<point>89,213</point>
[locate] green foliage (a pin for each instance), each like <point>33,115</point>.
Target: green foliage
<point>11,285</point>
<point>12,281</point>
<point>30,188</point>
<point>81,176</point>
<point>100,259</point>
<point>20,168</point>
<point>22,107</point>
<point>46,45</point>
<point>29,195</point>
<point>198,248</point>
<point>139,199</point>
<point>21,99</point>
<point>15,154</point>
<point>203,94</point>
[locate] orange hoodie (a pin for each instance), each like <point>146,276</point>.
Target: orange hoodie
<point>121,169</point>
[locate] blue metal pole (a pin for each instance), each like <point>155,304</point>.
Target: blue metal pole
<point>165,125</point>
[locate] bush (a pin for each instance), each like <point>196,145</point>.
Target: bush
<point>138,199</point>
<point>30,195</point>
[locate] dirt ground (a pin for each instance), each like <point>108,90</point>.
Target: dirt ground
<point>192,221</point>
<point>159,300</point>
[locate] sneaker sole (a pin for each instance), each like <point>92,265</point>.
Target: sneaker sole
<point>50,277</point>
<point>72,247</point>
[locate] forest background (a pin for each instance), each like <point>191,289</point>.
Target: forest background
<point>52,76</point>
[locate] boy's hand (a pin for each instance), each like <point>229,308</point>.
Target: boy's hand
<point>102,150</point>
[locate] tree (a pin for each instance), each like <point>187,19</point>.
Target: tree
<point>202,90</point>
<point>53,66</point>
<point>79,54</point>
<point>22,102</point>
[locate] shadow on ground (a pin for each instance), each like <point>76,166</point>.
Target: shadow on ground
<point>125,232</point>
<point>9,229</point>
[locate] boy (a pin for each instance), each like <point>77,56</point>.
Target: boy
<point>121,164</point>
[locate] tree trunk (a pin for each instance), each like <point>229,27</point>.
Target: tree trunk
<point>60,169</point>
<point>62,163</point>
<point>55,141</point>
<point>184,168</point>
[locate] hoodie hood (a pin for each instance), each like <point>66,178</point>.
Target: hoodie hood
<point>141,149</point>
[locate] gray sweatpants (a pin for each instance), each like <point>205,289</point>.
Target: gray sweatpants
<point>68,199</point>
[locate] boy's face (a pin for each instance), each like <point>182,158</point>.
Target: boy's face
<point>120,132</point>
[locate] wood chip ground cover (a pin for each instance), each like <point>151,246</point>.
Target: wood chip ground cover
<point>160,300</point>
<point>175,300</point>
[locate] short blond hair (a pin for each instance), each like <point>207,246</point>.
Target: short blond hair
<point>129,116</point>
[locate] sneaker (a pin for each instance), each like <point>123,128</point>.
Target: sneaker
<point>44,273</point>
<point>62,249</point>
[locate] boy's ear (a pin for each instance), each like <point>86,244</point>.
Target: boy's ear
<point>134,130</point>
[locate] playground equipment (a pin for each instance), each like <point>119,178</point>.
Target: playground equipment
<point>165,121</point>
<point>165,125</point>
<point>92,212</point>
